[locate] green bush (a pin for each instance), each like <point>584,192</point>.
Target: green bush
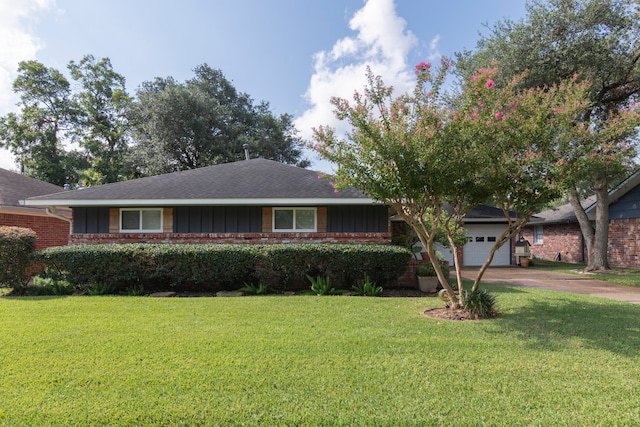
<point>286,266</point>
<point>426,269</point>
<point>46,286</point>
<point>153,266</point>
<point>215,267</point>
<point>366,287</point>
<point>253,289</point>
<point>101,288</point>
<point>479,303</point>
<point>16,250</point>
<point>322,286</point>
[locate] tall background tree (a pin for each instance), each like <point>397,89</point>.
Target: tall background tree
<point>205,121</point>
<point>599,41</point>
<point>35,135</point>
<point>171,126</point>
<point>100,124</point>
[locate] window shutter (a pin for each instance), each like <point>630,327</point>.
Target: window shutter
<point>167,220</point>
<point>266,220</point>
<point>114,220</point>
<point>322,220</point>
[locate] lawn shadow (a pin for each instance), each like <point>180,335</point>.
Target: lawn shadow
<point>553,320</point>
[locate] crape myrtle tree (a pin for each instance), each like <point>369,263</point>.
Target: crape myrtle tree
<point>600,41</point>
<point>205,121</point>
<point>432,159</point>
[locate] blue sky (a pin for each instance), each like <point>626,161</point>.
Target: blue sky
<point>294,54</point>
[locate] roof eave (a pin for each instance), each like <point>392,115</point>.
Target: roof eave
<point>202,202</point>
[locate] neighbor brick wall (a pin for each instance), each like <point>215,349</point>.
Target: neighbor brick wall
<point>557,238</point>
<point>380,238</point>
<point>624,243</point>
<point>50,231</point>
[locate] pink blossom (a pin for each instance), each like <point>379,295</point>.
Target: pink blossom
<point>490,84</point>
<point>474,77</point>
<point>404,143</point>
<point>498,115</point>
<point>422,67</point>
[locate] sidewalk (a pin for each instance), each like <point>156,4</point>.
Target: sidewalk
<point>574,283</point>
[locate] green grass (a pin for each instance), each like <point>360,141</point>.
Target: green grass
<point>617,276</point>
<point>550,359</point>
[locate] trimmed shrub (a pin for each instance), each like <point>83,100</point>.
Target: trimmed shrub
<point>221,266</point>
<point>153,266</point>
<point>287,266</point>
<point>16,249</point>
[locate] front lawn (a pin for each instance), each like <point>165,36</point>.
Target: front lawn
<point>617,275</point>
<point>550,359</point>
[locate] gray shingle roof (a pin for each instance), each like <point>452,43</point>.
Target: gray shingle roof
<point>564,213</point>
<point>247,179</point>
<point>15,187</point>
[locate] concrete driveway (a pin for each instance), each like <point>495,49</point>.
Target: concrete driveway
<point>533,278</point>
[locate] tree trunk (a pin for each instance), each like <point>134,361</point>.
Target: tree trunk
<point>596,239</point>
<point>598,255</point>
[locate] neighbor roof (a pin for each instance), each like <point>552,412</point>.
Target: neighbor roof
<point>247,182</point>
<point>565,213</point>
<point>15,187</point>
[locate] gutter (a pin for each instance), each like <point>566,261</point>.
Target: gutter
<point>53,211</point>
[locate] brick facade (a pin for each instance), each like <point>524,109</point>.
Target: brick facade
<point>50,231</point>
<point>563,239</point>
<point>623,251</point>
<point>624,245</point>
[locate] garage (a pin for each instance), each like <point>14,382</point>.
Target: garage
<point>482,237</point>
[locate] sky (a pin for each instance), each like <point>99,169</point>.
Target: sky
<point>294,54</point>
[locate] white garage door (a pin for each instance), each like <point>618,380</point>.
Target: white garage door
<point>482,238</point>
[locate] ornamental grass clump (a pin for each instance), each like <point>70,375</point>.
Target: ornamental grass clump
<point>479,303</point>
<point>321,285</point>
<point>366,287</point>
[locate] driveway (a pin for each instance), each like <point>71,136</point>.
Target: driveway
<point>533,278</point>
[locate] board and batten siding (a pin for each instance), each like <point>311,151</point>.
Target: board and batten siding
<point>235,219</point>
<point>217,219</point>
<point>627,207</point>
<point>91,220</point>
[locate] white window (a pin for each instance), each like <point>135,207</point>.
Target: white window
<point>537,235</point>
<point>294,219</point>
<point>141,220</point>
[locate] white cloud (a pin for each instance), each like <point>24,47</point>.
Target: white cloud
<point>381,41</point>
<point>17,43</point>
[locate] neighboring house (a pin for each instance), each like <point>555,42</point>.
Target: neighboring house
<point>558,236</point>
<point>250,201</point>
<point>50,231</point>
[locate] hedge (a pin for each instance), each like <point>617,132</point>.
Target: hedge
<point>222,266</point>
<point>287,266</point>
<point>16,249</point>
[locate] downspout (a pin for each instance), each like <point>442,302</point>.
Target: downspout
<point>53,211</point>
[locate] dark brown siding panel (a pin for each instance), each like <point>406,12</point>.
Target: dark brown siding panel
<point>90,220</point>
<point>357,219</point>
<point>218,219</point>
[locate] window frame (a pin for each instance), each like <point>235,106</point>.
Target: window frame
<point>538,235</point>
<point>140,229</point>
<point>295,210</point>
